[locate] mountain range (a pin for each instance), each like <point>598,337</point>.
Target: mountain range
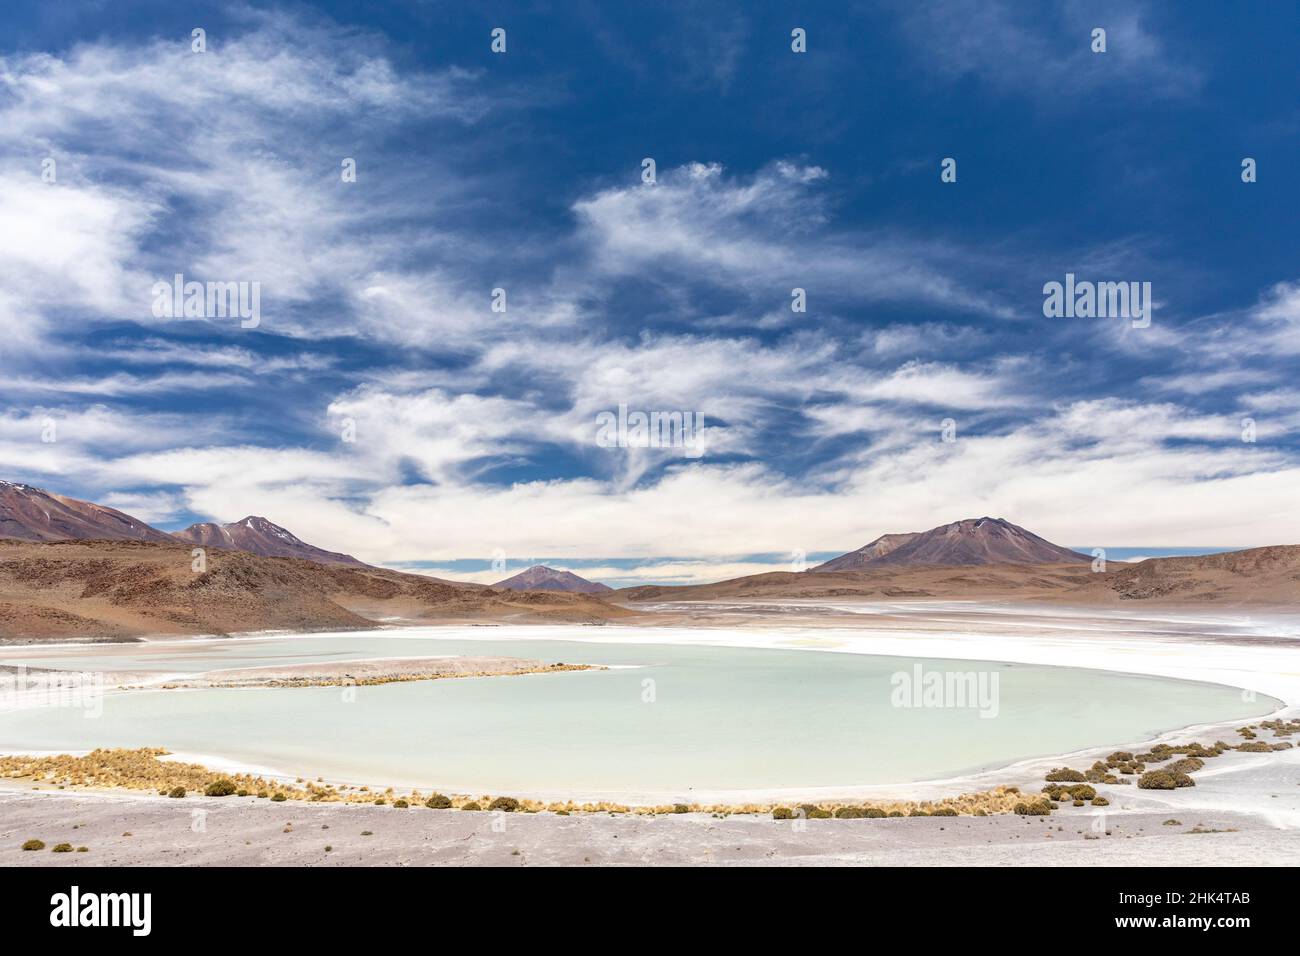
<point>34,514</point>
<point>76,569</point>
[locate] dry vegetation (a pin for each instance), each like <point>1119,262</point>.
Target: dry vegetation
<point>1174,774</point>
<point>142,770</point>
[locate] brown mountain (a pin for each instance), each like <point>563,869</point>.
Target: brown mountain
<point>868,553</point>
<point>257,535</point>
<point>114,590</point>
<point>32,514</point>
<point>541,578</point>
<point>972,541</point>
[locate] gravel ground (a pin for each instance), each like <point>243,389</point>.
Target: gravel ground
<point>250,832</point>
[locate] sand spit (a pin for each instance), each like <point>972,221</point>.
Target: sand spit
<point>368,672</point>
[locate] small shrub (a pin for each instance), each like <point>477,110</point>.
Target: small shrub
<point>278,797</point>
<point>177,792</point>
<point>62,848</point>
<point>472,805</point>
<point>34,845</point>
<point>1186,765</point>
<point>381,802</point>
<point>506,804</point>
<point>1254,747</point>
<point>819,814</point>
<point>1164,780</point>
<point>438,802</point>
<point>1078,803</point>
<point>943,812</point>
<point>782,813</point>
<point>83,849</point>
<point>561,813</point>
<point>220,788</point>
<point>1033,808</point>
<point>681,808</point>
<point>1118,757</point>
<point>241,793</point>
<point>897,813</point>
<point>1082,792</point>
<point>874,813</point>
<point>400,804</point>
<point>1100,802</point>
<point>1064,775</point>
<point>849,813</point>
<point>919,813</point>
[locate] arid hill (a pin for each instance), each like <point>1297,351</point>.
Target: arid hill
<point>91,590</point>
<point>257,535</point>
<point>541,578</point>
<point>972,541</point>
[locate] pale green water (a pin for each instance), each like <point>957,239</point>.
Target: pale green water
<point>722,718</point>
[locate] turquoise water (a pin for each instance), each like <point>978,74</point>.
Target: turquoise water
<point>711,718</point>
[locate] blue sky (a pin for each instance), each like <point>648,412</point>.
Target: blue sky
<point>475,431</point>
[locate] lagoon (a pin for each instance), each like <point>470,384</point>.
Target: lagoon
<point>665,719</point>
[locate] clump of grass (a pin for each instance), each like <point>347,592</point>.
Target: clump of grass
<point>1100,802</point>
<point>1173,823</point>
<point>782,813</point>
<point>819,814</point>
<point>919,813</point>
<point>505,804</point>
<point>943,812</point>
<point>1254,747</point>
<point>34,845</point>
<point>1039,807</point>
<point>1186,765</point>
<point>62,848</point>
<point>400,804</point>
<point>850,813</point>
<point>874,813</point>
<point>278,797</point>
<point>177,792</point>
<point>241,793</point>
<point>438,802</point>
<point>681,808</point>
<point>472,805</point>
<point>221,787</point>
<point>1164,780</point>
<point>1064,775</point>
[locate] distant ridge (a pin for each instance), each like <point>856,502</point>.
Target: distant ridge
<point>971,541</point>
<point>257,535</point>
<point>541,578</point>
